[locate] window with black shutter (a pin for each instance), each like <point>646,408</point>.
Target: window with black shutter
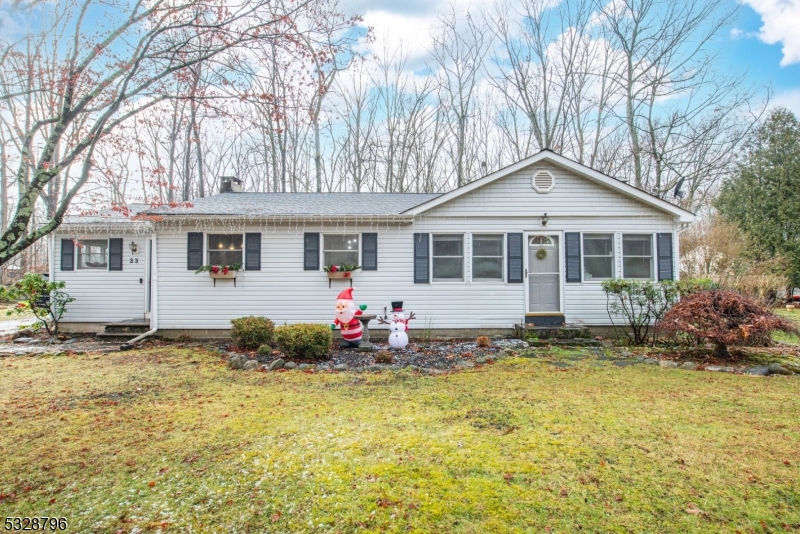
<point>572,257</point>
<point>67,255</point>
<point>311,251</point>
<point>194,255</point>
<point>514,258</point>
<point>421,263</point>
<point>369,252</point>
<point>115,254</point>
<point>252,251</point>
<point>664,245</point>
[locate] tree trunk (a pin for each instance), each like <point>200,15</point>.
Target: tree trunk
<point>721,351</point>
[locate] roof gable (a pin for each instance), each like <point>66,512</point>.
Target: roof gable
<point>680,214</point>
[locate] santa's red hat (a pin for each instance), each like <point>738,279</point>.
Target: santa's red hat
<point>347,294</point>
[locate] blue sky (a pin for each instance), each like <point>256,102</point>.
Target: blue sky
<point>746,49</point>
<point>763,41</point>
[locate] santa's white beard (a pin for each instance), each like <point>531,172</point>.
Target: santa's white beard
<point>347,315</point>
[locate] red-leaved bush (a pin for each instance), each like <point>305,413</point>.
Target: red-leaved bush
<point>724,318</point>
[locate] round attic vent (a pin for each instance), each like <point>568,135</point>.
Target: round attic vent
<point>543,181</point>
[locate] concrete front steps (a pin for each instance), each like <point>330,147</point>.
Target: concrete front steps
<point>563,335</point>
<point>124,330</point>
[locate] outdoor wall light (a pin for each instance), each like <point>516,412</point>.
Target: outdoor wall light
<point>545,218</point>
<point>134,247</point>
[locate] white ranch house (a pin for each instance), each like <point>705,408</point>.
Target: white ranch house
<point>529,243</point>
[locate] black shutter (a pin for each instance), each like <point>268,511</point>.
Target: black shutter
<point>369,252</point>
<point>572,255</point>
<point>514,252</point>
<point>194,255</point>
<point>252,251</point>
<point>311,251</point>
<point>115,254</point>
<point>664,245</point>
<point>421,258</point>
<point>67,255</point>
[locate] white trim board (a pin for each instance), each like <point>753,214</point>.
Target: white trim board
<point>680,214</point>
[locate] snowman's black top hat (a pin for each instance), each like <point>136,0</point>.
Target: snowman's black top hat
<point>397,305</point>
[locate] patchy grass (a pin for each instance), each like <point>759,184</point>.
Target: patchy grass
<point>793,316</point>
<point>168,439</point>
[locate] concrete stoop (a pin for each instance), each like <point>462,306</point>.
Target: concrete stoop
<point>123,330</point>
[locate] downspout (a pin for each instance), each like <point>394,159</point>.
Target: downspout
<point>128,345</point>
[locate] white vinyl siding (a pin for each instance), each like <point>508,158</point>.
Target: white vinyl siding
<point>103,296</point>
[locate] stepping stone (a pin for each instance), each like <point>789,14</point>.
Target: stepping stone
<point>650,361</point>
<point>290,365</point>
<point>719,369</point>
<point>277,364</point>
<point>304,366</point>
<point>760,370</point>
<point>778,369</point>
<point>689,366</point>
<point>340,367</point>
<point>668,364</point>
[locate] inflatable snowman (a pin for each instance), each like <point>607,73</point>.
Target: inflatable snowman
<point>398,327</point>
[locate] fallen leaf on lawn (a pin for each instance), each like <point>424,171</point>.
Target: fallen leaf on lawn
<point>151,483</point>
<point>691,508</point>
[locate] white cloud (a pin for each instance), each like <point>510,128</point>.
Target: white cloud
<point>781,19</point>
<point>789,99</point>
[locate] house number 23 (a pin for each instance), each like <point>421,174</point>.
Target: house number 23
<point>133,260</point>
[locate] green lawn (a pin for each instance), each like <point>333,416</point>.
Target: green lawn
<point>167,439</point>
<point>793,316</point>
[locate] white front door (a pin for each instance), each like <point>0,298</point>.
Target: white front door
<point>544,274</point>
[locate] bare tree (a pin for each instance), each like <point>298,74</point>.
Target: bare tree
<point>99,80</point>
<point>459,49</point>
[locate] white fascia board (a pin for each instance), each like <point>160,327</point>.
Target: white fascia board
<point>680,214</point>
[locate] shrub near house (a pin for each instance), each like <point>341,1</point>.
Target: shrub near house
<point>252,332</point>
<point>305,341</point>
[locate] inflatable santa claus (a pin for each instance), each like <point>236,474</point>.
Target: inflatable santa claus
<point>347,319</point>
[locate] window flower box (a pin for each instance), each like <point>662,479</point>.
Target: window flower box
<point>338,275</point>
<point>229,274</point>
<point>221,271</point>
<point>340,272</point>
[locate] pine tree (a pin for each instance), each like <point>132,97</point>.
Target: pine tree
<point>763,196</point>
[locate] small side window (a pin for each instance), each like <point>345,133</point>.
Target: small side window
<point>93,254</point>
<point>637,256</point>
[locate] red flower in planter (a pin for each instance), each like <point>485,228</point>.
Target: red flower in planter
<point>215,269</point>
<point>225,270</point>
<point>334,268</point>
<point>347,274</point>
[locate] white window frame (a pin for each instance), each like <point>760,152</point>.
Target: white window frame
<point>652,256</point>
<point>613,256</point>
<point>207,247</point>
<point>78,256</point>
<point>322,247</point>
<point>472,257</point>
<point>463,279</point>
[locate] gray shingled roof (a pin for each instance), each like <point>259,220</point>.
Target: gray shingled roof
<point>107,215</point>
<point>269,204</point>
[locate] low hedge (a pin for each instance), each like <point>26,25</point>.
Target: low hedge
<point>306,341</point>
<point>251,332</point>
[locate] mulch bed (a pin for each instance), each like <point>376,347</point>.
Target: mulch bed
<point>434,354</point>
